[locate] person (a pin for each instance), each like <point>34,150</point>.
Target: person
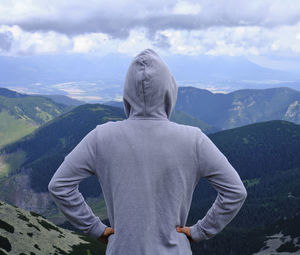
<point>148,167</point>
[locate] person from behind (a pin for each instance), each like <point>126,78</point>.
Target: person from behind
<point>148,168</point>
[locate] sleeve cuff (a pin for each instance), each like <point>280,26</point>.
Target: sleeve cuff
<point>197,233</point>
<point>97,229</point>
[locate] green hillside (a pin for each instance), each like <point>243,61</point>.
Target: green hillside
<point>46,147</point>
<point>20,114</point>
<point>64,100</point>
<point>12,128</point>
<point>261,148</point>
<point>25,232</point>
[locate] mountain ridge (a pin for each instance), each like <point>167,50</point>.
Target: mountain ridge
<point>240,107</point>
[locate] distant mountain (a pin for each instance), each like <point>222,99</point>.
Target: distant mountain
<point>11,93</point>
<point>26,232</point>
<point>240,107</point>
<point>179,117</point>
<point>184,118</point>
<point>114,103</point>
<point>62,99</point>
<point>218,111</point>
<point>221,68</point>
<point>20,114</point>
<point>228,72</point>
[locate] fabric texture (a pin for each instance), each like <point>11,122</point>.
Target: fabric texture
<point>148,168</point>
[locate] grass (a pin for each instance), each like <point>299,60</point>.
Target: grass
<point>12,129</point>
<point>251,182</point>
<point>10,162</point>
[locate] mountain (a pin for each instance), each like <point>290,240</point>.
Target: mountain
<point>114,103</point>
<point>268,220</point>
<point>32,160</point>
<point>62,99</point>
<point>26,232</point>
<point>184,118</point>
<point>265,154</point>
<point>218,111</point>
<point>261,148</point>
<point>255,150</point>
<point>179,117</point>
<point>20,114</point>
<point>40,153</point>
<point>10,93</point>
<point>240,107</point>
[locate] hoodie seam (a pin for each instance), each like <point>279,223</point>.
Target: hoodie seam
<point>198,143</point>
<point>143,87</point>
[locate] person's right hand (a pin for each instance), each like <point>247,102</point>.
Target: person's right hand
<point>107,232</point>
<point>186,230</point>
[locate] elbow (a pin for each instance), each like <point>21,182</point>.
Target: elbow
<point>243,193</point>
<point>52,187</point>
<point>239,194</point>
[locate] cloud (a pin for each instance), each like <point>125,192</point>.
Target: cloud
<point>161,41</point>
<point>189,27</point>
<point>15,41</point>
<point>118,18</point>
<point>6,39</point>
<point>231,41</point>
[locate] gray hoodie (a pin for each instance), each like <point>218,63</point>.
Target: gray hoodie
<point>148,168</point>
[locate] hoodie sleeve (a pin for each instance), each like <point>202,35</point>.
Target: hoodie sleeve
<point>80,163</point>
<point>214,166</point>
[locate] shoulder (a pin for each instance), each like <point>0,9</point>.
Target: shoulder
<point>188,128</point>
<point>108,127</point>
<point>187,132</point>
<point>109,124</point>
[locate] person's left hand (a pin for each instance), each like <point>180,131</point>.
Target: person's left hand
<point>107,232</point>
<point>186,230</point>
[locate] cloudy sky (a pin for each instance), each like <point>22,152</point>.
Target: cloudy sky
<point>267,32</point>
<point>256,27</point>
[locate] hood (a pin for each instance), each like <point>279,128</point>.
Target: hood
<point>150,90</point>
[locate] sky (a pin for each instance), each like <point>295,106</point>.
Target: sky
<point>257,27</point>
<point>266,32</point>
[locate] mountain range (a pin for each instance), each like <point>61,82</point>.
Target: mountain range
<point>265,154</point>
<point>241,107</point>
